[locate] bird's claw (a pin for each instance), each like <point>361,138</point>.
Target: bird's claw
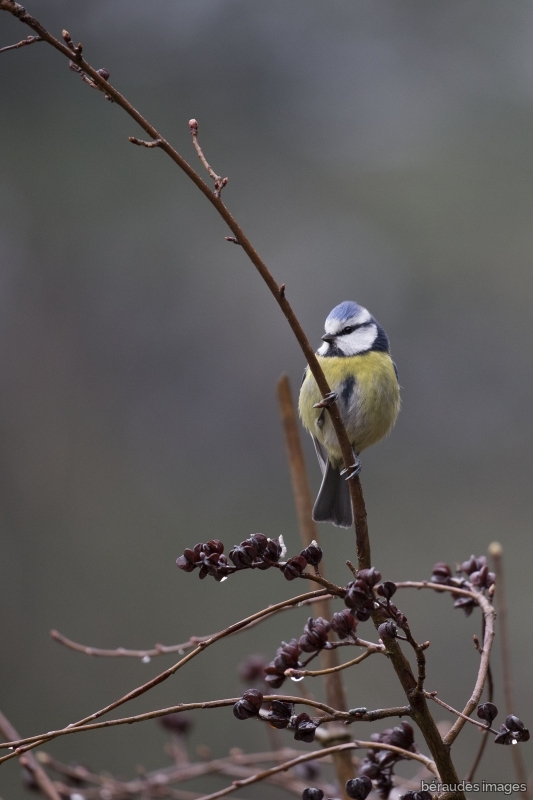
<point>354,469</point>
<point>326,401</point>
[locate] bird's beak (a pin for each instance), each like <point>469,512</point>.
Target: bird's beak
<point>328,337</point>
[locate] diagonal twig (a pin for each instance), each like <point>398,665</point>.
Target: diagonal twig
<point>42,780</point>
<point>168,672</point>
<point>23,43</point>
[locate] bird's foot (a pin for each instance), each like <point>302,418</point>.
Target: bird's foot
<point>327,401</point>
<point>354,469</point>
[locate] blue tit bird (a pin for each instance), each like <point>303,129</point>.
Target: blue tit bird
<point>356,361</point>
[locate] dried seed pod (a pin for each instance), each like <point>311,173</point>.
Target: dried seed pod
<point>388,629</point>
<point>249,705</point>
<point>370,576</point>
<point>343,623</point>
<point>294,567</point>
<point>387,589</point>
<point>442,573</point>
<point>488,712</point>
<point>305,728</point>
<point>280,713</point>
<point>359,788</point>
<point>517,728</point>
<point>189,560</point>
<point>315,635</point>
<point>312,554</point>
<point>312,794</point>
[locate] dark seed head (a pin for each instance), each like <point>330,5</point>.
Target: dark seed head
<point>249,705</point>
<point>312,794</point>
<point>359,788</point>
<point>312,554</point>
<point>488,712</point>
<point>305,728</point>
<point>343,623</point>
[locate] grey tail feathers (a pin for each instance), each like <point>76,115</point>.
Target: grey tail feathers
<point>333,502</point>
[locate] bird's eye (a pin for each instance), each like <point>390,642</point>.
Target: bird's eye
<point>348,329</point>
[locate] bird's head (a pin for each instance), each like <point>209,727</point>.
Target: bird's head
<point>350,330</point>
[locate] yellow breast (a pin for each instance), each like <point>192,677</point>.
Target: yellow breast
<point>368,400</point>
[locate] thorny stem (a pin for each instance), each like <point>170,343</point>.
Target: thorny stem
<point>167,673</point>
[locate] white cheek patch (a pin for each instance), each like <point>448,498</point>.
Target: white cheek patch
<point>357,342</point>
<point>323,349</point>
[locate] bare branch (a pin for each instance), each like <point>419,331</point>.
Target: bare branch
<point>317,754</point>
<point>142,143</point>
<point>30,762</point>
<point>303,673</point>
<point>496,551</point>
<point>168,672</point>
<point>28,40</point>
<point>433,696</point>
<point>219,182</point>
<point>20,745</point>
<point>488,614</point>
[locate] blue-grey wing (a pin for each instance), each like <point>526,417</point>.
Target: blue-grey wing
<point>320,454</point>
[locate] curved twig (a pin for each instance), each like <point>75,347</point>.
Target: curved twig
<point>168,672</point>
<point>317,754</point>
<point>278,292</point>
<point>310,673</point>
<point>161,649</point>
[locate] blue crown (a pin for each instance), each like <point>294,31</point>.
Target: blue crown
<point>344,311</point>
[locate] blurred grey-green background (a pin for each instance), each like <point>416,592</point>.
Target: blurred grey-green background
<point>377,150</point>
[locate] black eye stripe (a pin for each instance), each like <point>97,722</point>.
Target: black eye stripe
<point>352,328</point>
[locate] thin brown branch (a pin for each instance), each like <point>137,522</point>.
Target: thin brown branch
<point>240,765</point>
<point>168,672</point>
<point>310,673</point>
<point>437,587</point>
<point>142,143</point>
<point>356,492</point>
<point>317,754</point>
<point>484,738</point>
<point>172,774</point>
<point>21,744</point>
<point>23,43</point>
<point>421,712</point>
<point>433,696</point>
<point>488,614</point>
<point>159,649</point>
<point>219,181</point>
<point>420,657</point>
<point>496,551</point>
<point>30,762</point>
